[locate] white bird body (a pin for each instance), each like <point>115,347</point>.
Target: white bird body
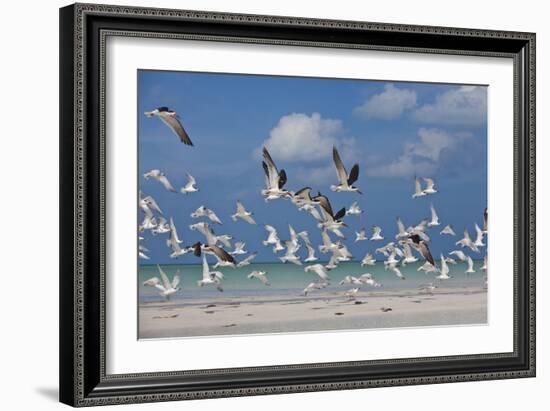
<point>260,275</point>
<point>430,186</point>
<point>349,279</point>
<point>202,211</point>
<point>310,250</point>
<point>273,239</point>
<point>368,279</point>
<point>352,293</point>
<point>484,267</point>
<point>395,270</point>
<point>361,235</point>
<point>354,209</point>
<point>459,254</point>
<point>345,180</point>
<point>376,233</point>
<point>238,248</point>
<point>418,189</point>
<point>274,180</point>
<point>174,242</point>
<point>290,255</point>
<point>161,228</point>
<point>435,219</point>
<point>165,287</point>
<point>470,269</point>
<point>368,260</point>
<point>318,269</point>
<point>408,257</point>
<point>211,238</point>
<point>161,178</point>
<point>479,239</point>
<point>247,260</point>
<point>466,241</point>
<point>314,286</point>
<point>190,186</point>
<point>444,270</point>
<point>243,214</point>
<point>402,233</point>
<point>427,267</point>
<point>214,278</point>
<point>448,230</point>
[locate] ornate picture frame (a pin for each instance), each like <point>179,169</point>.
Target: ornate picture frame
<point>84,29</point>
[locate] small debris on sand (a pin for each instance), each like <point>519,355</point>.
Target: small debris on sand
<point>229,325</point>
<point>209,312</point>
<point>385,309</point>
<point>338,313</point>
<point>165,316</point>
<point>210,305</point>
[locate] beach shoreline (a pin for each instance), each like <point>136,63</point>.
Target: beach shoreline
<point>323,311</point>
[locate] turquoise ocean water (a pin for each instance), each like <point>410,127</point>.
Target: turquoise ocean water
<point>290,279</point>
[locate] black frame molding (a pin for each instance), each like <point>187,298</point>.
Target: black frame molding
<point>83,30</point>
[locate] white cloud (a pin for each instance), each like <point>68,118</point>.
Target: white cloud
<point>389,104</point>
<point>420,157</point>
<point>464,106</point>
<point>299,137</point>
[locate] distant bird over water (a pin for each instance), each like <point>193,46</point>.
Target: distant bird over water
<point>171,119</point>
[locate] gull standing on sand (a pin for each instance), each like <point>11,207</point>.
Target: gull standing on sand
<point>444,270</point>
<point>354,209</point>
<point>238,248</point>
<point>376,233</point>
<point>318,269</point>
<point>274,180</point>
<point>435,219</point>
<point>368,259</point>
<point>161,178</point>
<point>470,262</point>
<point>210,277</point>
<point>467,242</point>
<point>260,275</point>
<point>202,211</point>
<point>273,239</point>
<point>361,235</point>
<point>448,230</point>
<point>247,260</point>
<point>166,287</point>
<point>243,214</point>
<point>171,119</point>
<point>345,180</point>
<point>190,186</point>
<point>310,250</point>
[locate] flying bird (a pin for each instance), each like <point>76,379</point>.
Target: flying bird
<point>274,179</point>
<point>330,221</point>
<point>318,285</point>
<point>368,260</point>
<point>310,250</point>
<point>190,186</point>
<point>238,248</point>
<point>435,219</point>
<point>161,178</point>
<point>247,260</point>
<point>162,227</point>
<point>202,211</point>
<point>376,233</point>
<point>444,270</point>
<point>422,246</point>
<point>174,242</point>
<point>350,279</point>
<point>260,275</point>
<point>418,189</point>
<point>318,269</point>
<point>402,233</point>
<point>479,237</point>
<point>165,287</point>
<point>273,239</point>
<point>361,235</point>
<point>448,230</point>
<point>211,238</point>
<point>214,278</point>
<point>470,269</point>
<point>354,209</point>
<point>352,293</point>
<point>172,120</point>
<point>243,214</point>
<point>345,180</point>
<point>466,241</point>
<point>430,186</point>
<point>459,254</point>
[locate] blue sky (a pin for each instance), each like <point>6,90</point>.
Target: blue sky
<point>394,130</point>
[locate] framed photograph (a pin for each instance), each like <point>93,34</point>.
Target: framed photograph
<point>261,204</point>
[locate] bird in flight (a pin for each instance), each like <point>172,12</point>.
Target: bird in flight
<point>345,180</point>
<point>172,120</point>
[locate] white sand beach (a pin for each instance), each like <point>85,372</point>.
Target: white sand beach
<point>317,312</point>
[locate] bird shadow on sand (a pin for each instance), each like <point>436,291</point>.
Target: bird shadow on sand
<point>51,393</point>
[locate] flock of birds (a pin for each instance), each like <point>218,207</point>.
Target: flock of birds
<point>409,245</point>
